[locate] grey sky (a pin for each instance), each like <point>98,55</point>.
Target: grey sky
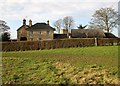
<point>13,11</point>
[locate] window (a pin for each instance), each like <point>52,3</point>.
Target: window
<point>48,38</point>
<point>39,38</point>
<point>39,32</point>
<point>31,39</point>
<point>23,38</point>
<point>48,32</point>
<point>31,32</point>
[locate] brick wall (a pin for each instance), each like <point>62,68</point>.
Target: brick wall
<point>22,32</point>
<point>39,34</point>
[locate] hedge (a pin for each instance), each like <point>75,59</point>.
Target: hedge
<point>57,43</point>
<point>108,41</point>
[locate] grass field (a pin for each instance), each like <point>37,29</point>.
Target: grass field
<point>88,65</point>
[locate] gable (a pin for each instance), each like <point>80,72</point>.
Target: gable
<point>23,27</point>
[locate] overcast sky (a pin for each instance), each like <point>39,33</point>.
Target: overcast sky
<point>14,11</point>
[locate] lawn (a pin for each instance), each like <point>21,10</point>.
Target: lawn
<point>88,65</point>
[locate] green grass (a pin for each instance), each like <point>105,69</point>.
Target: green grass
<point>60,65</point>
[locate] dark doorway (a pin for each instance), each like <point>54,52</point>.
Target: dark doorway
<point>23,39</point>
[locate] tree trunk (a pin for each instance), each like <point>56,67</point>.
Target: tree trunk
<point>107,24</point>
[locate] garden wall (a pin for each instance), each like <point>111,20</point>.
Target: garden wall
<point>58,43</point>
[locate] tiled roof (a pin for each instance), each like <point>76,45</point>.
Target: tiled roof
<point>109,35</point>
<point>40,26</point>
<point>90,33</point>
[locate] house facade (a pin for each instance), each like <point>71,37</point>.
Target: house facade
<point>22,32</point>
<point>43,31</point>
<point>38,31</point>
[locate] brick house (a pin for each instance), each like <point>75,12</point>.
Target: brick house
<point>38,31</point>
<point>22,32</point>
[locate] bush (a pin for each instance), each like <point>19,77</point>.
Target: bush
<point>108,41</point>
<point>57,43</point>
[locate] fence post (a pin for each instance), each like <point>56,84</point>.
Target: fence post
<point>96,41</point>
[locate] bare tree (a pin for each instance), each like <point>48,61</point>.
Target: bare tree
<point>95,33</point>
<point>68,23</point>
<point>105,18</point>
<point>58,25</point>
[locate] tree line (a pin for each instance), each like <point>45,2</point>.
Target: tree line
<point>104,18</point>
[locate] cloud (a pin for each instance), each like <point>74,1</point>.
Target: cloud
<point>14,9</point>
<point>42,10</point>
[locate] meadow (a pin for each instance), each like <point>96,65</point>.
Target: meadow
<point>85,65</point>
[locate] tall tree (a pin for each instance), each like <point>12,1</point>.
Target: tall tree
<point>58,25</point>
<point>4,34</point>
<point>68,23</point>
<point>3,26</point>
<point>104,18</point>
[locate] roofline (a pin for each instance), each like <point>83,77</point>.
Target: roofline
<point>21,27</point>
<point>41,23</point>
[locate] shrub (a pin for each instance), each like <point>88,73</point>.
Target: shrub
<point>57,43</point>
<point>108,41</point>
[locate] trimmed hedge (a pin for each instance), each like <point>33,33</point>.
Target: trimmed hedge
<point>108,41</point>
<point>57,43</point>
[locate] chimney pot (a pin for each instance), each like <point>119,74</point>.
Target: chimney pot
<point>30,22</point>
<point>24,21</point>
<point>48,22</point>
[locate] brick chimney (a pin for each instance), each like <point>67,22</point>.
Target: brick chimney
<point>30,22</point>
<point>24,22</point>
<point>48,22</point>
